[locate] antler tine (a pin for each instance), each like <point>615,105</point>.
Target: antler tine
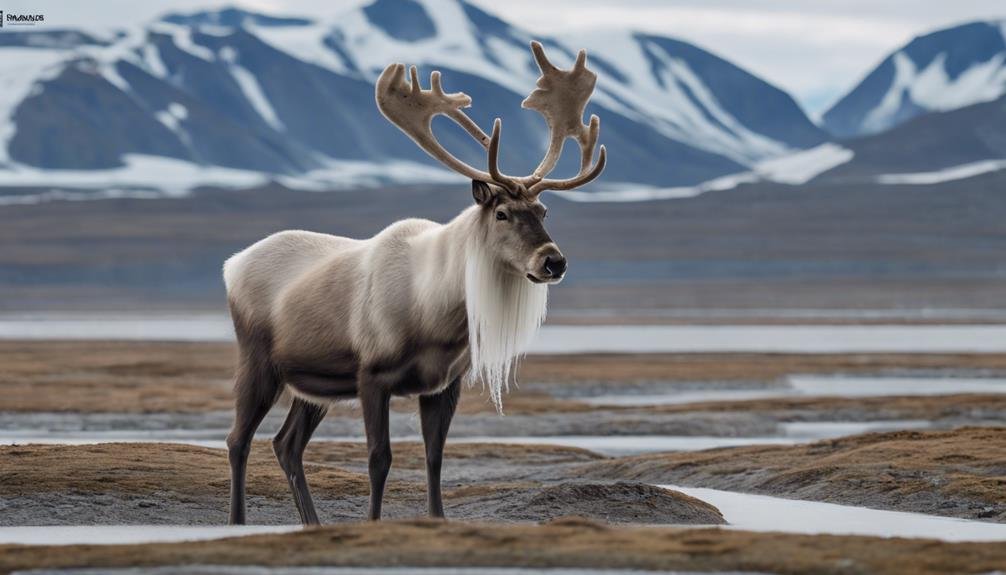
<point>561,96</point>
<point>414,80</point>
<point>435,85</point>
<point>587,147</point>
<point>412,109</point>
<point>458,116</point>
<point>581,179</point>
<point>544,64</point>
<point>513,185</point>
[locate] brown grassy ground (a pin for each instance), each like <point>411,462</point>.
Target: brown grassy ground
<point>180,469</point>
<point>960,473</point>
<point>146,377</point>
<point>563,543</point>
<point>183,484</point>
<point>185,470</point>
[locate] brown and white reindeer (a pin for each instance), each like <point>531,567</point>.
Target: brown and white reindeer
<point>415,309</point>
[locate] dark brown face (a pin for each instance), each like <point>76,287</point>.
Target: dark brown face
<point>515,231</point>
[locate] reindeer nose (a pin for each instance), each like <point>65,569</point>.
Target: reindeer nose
<point>555,265</point>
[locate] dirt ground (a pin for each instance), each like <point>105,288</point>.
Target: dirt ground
<point>522,491</point>
<point>152,377</point>
<point>960,473</point>
<point>568,542</point>
<point>151,483</point>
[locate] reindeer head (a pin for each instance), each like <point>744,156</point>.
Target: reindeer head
<point>511,218</point>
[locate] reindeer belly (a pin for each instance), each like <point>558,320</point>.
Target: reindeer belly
<point>330,379</point>
<point>423,370</point>
<point>419,370</point>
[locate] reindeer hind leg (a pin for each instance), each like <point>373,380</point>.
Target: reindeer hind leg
<point>256,389</point>
<point>289,445</point>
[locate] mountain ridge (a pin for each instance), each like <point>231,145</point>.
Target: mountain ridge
<point>938,71</point>
<point>292,96</point>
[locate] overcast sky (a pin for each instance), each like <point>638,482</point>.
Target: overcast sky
<point>815,49</point>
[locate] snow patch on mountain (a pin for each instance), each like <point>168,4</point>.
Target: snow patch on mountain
<point>801,167</point>
<point>310,43</point>
<point>793,169</point>
<point>675,101</point>
<point>252,91</point>
<point>457,47</point>
<point>151,177</point>
<point>940,71</point>
<point>933,89</point>
<point>170,176</point>
<point>231,88</point>
<point>153,61</point>
<point>641,193</point>
<point>945,175</point>
<point>672,98</point>
<point>21,70</point>
<point>182,37</point>
<point>172,116</point>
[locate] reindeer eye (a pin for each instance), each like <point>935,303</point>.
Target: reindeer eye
<point>500,216</point>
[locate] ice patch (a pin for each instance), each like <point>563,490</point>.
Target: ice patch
<point>945,175</point>
<point>814,386</point>
<point>556,339</point>
<point>771,339</point>
<point>129,534</point>
<point>763,513</point>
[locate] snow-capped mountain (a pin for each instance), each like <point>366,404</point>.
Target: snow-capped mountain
<point>954,142</point>
<point>228,93</point>
<point>940,71</point>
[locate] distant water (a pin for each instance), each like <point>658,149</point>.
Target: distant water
<point>812,386</point>
<point>572,339</point>
<point>614,445</point>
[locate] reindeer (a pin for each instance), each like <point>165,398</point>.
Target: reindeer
<point>415,309</point>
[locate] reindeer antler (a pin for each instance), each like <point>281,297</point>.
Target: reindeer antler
<point>412,109</point>
<point>561,97</point>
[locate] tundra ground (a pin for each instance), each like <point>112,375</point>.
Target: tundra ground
<point>504,501</point>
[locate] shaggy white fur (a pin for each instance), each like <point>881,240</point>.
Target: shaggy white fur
<point>504,313</point>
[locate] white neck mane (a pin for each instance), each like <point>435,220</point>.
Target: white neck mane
<point>504,313</point>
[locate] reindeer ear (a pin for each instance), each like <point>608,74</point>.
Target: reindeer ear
<point>482,192</point>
